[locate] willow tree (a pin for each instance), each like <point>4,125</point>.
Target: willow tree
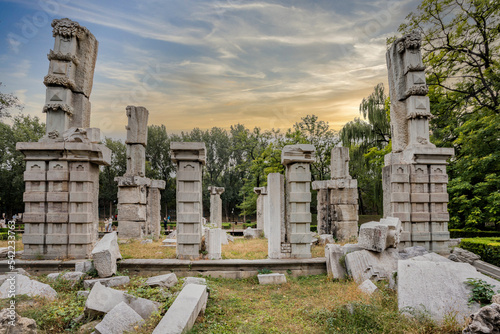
<point>368,140</point>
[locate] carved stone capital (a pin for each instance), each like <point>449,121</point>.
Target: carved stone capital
<point>56,80</point>
<point>67,28</point>
<point>54,107</point>
<point>63,56</point>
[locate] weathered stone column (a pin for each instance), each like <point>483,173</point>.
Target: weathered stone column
<point>261,209</point>
<point>216,206</point>
<point>297,160</point>
<point>414,176</point>
<point>276,213</point>
<point>213,243</point>
<point>190,158</point>
<point>62,169</point>
<point>153,216</point>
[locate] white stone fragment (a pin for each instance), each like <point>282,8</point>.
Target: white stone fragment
<point>274,278</point>
<point>194,280</point>
<point>109,282</point>
<point>326,239</point>
<point>367,287</point>
<point>25,286</point>
<point>84,266</point>
<point>181,316</point>
<point>363,265</point>
<point>334,253</point>
<point>120,319</point>
<point>252,233</point>
<point>167,281</point>
<point>105,254</point>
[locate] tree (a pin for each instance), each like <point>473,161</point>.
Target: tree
<point>12,166</point>
<point>108,187</point>
<point>8,101</point>
<point>368,141</point>
<point>461,51</point>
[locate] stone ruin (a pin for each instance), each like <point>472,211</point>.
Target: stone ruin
<point>138,196</point>
<point>62,168</point>
<point>216,206</point>
<point>213,233</point>
<point>414,176</point>
<point>189,157</point>
<point>338,199</point>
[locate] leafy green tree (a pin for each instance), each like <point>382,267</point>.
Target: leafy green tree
<point>24,128</point>
<point>368,141</point>
<point>461,51</point>
<point>108,188</point>
<point>8,101</point>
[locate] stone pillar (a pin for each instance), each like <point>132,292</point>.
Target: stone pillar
<point>276,213</point>
<point>414,176</point>
<point>62,169</point>
<point>153,216</point>
<point>190,158</point>
<point>338,199</point>
<point>216,206</point>
<point>213,243</point>
<point>297,160</point>
<point>261,208</point>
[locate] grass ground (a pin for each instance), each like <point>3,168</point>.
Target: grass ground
<point>313,304</point>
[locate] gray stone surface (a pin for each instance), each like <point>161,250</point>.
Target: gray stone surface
<point>181,316</point>
<point>273,278</point>
<point>26,286</point>
<point>102,300</point>
<point>194,280</point>
<point>213,243</point>
<point>53,276</point>
<point>431,257</point>
<point>276,228</point>
<point>22,325</point>
<point>495,299</point>
<point>334,253</point>
<point>326,239</point>
<point>84,266</point>
<point>252,233</point>
<point>438,287</point>
<point>120,319</point>
<point>2,279</point>
<point>462,255</point>
<point>83,294</point>
<point>349,248</point>
<point>368,287</point>
<point>169,242</point>
<point>73,276</point>
<point>410,252</point>
<point>378,236</point>
<point>363,265</point>
<point>105,254</point>
<point>108,282</point>
<point>216,205</point>
<point>486,320</point>
<point>167,280</point>
<point>261,208</point>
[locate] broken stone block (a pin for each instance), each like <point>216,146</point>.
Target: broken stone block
<point>84,266</point>
<point>102,300</point>
<point>334,254</point>
<point>349,248</point>
<point>72,276</point>
<point>105,254</point>
<point>169,242</point>
<point>438,288</point>
<point>326,239</point>
<point>414,251</point>
<point>194,280</point>
<point>274,278</point>
<point>486,320</point>
<point>53,276</point>
<point>431,257</point>
<point>252,233</point>
<point>167,281</point>
<point>213,243</point>
<point>22,325</point>
<point>229,237</point>
<point>363,265</point>
<point>495,299</point>
<point>377,236</point>
<point>83,294</point>
<point>462,255</point>
<point>120,319</point>
<point>367,287</point>
<point>109,282</point>
<point>223,238</point>
<point>181,316</point>
<point>26,286</point>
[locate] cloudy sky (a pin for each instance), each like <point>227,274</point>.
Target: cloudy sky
<point>210,63</point>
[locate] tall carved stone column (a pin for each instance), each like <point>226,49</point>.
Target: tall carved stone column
<point>190,158</point>
<point>153,217</point>
<point>297,160</point>
<point>62,169</point>
<point>216,206</point>
<point>414,177</point>
<point>276,214</point>
<point>338,199</point>
<point>262,215</point>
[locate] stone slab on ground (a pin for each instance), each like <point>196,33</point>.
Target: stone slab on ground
<point>169,242</point>
<point>22,325</point>
<point>27,286</point>
<point>487,269</point>
<point>120,319</point>
<point>108,282</point>
<point>274,278</point>
<point>365,264</point>
<point>167,281</point>
<point>194,280</point>
<point>103,299</point>
<point>105,254</point>
<point>438,287</point>
<point>181,316</point>
<point>84,266</point>
<point>367,287</point>
<point>410,252</point>
<point>223,238</point>
<point>334,268</point>
<point>252,233</point>
<point>82,293</point>
<point>72,276</point>
<point>431,257</point>
<point>326,239</point>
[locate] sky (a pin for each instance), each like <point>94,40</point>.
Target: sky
<point>209,63</point>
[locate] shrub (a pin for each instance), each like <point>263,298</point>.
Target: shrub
<point>487,248</point>
<point>314,228</point>
<point>455,233</point>
<point>250,224</point>
<point>482,292</point>
<point>226,226</point>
